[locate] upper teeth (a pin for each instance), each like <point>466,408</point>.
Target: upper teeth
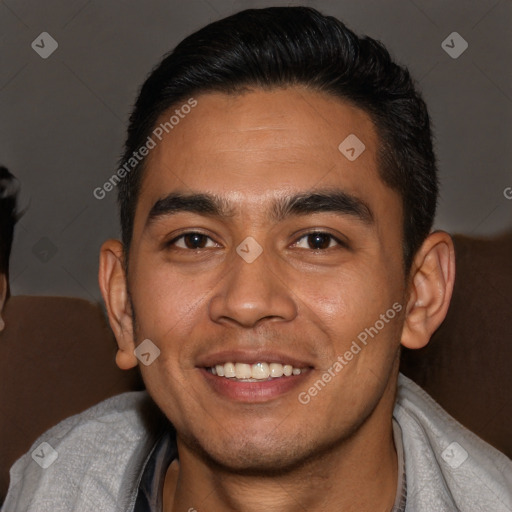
<point>257,371</point>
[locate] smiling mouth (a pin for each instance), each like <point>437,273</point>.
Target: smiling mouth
<point>257,372</point>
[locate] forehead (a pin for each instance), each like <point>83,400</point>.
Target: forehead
<point>251,146</point>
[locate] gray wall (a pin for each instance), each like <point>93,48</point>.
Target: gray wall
<point>63,118</point>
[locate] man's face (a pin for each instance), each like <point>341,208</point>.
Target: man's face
<point>301,302</point>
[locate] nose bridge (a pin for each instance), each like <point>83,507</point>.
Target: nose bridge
<point>251,290</point>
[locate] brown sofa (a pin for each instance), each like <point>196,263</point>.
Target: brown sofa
<point>467,365</point>
<point>56,360</point>
<point>57,356</point>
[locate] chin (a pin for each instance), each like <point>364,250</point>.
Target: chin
<point>255,456</point>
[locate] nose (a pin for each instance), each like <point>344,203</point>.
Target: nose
<point>252,292</point>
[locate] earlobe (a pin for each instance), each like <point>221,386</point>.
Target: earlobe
<point>113,285</point>
<point>430,289</point>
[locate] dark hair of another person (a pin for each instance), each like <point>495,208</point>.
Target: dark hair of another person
<point>8,216</point>
<point>278,47</point>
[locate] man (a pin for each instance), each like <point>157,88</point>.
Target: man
<point>8,218</point>
<point>277,195</point>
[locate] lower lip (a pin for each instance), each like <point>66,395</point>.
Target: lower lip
<point>253,392</point>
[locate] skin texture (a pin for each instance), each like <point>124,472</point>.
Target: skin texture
<point>302,300</point>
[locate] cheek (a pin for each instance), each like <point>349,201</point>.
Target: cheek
<point>345,297</point>
<point>347,308</point>
<point>168,307</point>
<point>166,300</point>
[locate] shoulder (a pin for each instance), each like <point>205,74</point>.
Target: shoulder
<point>89,460</point>
<point>447,465</point>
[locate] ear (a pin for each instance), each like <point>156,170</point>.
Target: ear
<point>113,285</point>
<point>430,289</point>
<point>3,297</point>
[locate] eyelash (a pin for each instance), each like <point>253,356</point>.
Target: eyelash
<point>340,243</point>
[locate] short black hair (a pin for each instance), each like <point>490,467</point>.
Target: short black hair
<point>278,47</point>
<point>8,216</point>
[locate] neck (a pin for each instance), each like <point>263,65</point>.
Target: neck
<point>359,474</point>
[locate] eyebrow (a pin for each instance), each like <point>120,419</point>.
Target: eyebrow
<point>211,205</point>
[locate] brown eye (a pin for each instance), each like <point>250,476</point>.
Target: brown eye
<point>190,241</point>
<point>318,241</point>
